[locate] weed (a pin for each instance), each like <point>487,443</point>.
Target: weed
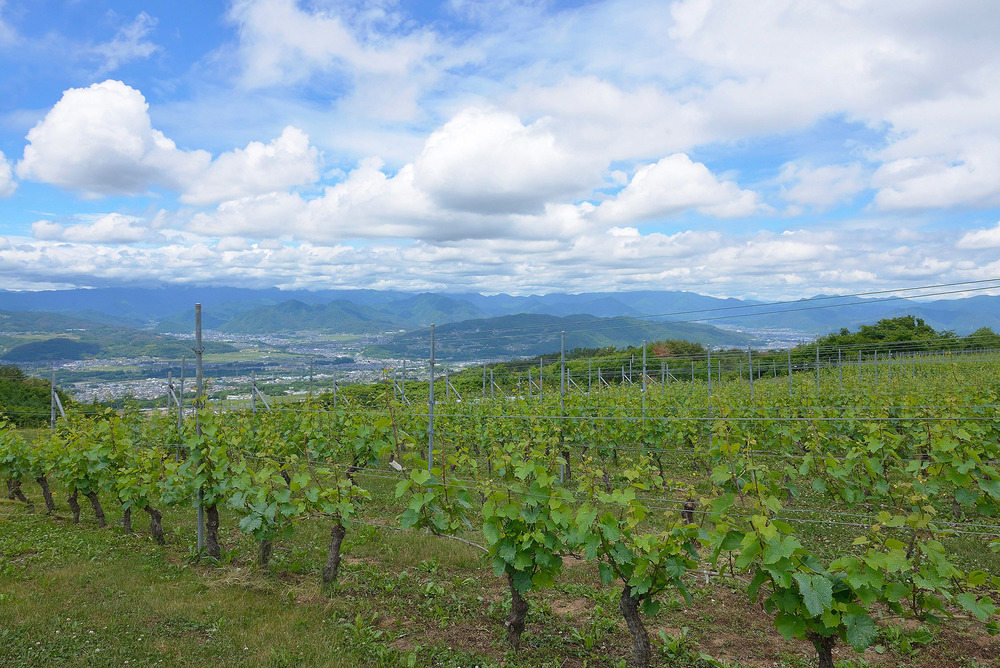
<point>428,565</point>
<point>679,650</point>
<point>362,631</point>
<point>905,642</point>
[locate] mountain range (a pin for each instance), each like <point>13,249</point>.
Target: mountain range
<point>38,336</point>
<point>534,334</point>
<point>520,325</point>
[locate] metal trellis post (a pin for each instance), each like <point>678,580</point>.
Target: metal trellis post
<point>199,403</point>
<point>430,411</point>
<point>789,372</point>
<point>644,379</point>
<point>562,395</point>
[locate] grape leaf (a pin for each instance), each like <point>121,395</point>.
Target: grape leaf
<point>860,631</point>
<point>816,592</point>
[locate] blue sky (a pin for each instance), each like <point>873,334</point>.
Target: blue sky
<point>774,149</point>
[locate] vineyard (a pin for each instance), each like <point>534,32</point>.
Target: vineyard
<point>838,503</point>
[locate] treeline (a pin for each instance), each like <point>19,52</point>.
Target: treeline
<point>906,333</point>
<point>26,401</point>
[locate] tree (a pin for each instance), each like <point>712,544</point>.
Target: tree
<point>26,401</point>
<point>984,337</point>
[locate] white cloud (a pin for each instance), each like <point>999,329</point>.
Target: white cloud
<point>232,244</point>
<point>795,253</point>
<point>822,186</point>
<point>7,183</point>
<point>774,65</point>
<point>976,239</point>
<point>281,44</point>
<point>370,204</point>
<point>970,178</point>
<point>128,44</point>
<point>112,228</point>
<point>761,264</point>
<point>285,162</point>
<point>478,199</point>
<point>489,162</point>
<point>672,185</point>
<point>46,230</point>
<point>613,122</point>
<point>922,71</point>
<point>100,140</point>
<point>269,215</point>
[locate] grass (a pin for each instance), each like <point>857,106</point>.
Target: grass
<point>77,596</point>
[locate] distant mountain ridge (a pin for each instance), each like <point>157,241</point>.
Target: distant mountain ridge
<point>533,334</point>
<point>343,316</point>
<point>271,311</point>
<point>40,336</point>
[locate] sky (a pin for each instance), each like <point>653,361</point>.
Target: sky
<point>774,149</point>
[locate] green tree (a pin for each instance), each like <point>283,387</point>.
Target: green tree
<point>26,401</point>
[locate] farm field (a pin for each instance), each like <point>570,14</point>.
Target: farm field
<point>731,523</point>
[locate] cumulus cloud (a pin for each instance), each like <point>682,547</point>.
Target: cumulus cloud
<point>112,228</point>
<point>507,187</point>
<point>285,162</point>
<point>672,185</point>
<point>7,183</point>
<point>268,215</point>
<point>369,203</point>
<point>970,179</point>
<point>128,44</point>
<point>232,244</point>
<point>373,204</point>
<point>792,252</point>
<point>824,186</point>
<point>46,230</point>
<point>974,239</point>
<point>100,140</point>
<point>488,162</point>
